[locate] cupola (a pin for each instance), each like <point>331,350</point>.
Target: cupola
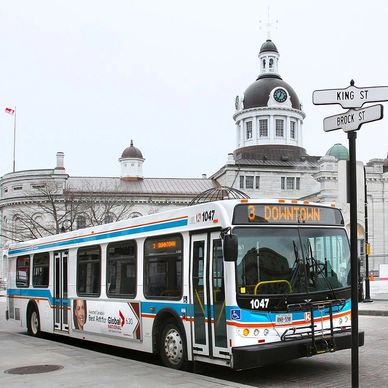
<point>339,151</point>
<point>131,163</point>
<point>269,113</point>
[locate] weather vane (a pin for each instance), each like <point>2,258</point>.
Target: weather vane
<point>268,25</point>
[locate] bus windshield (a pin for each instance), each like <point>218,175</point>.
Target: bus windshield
<point>291,260</point>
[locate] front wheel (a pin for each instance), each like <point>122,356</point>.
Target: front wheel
<point>33,324</point>
<point>172,347</point>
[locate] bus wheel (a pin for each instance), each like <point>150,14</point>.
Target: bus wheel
<point>33,325</point>
<point>173,347</point>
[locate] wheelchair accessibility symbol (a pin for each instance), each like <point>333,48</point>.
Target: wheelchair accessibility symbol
<point>235,315</point>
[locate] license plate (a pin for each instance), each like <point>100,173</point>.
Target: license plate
<point>283,319</point>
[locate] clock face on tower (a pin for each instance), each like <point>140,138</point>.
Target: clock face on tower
<point>280,95</point>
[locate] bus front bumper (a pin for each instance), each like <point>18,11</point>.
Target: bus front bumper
<point>247,357</point>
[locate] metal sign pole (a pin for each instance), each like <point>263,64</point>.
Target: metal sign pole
<point>354,98</point>
<point>353,255</point>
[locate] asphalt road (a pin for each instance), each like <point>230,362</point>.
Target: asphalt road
<point>326,370</point>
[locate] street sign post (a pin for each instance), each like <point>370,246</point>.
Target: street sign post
<point>350,97</point>
<point>353,118</point>
<point>354,98</point>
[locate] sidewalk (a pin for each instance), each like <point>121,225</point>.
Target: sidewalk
<point>379,297</point>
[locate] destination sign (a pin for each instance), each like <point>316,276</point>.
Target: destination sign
<point>353,118</point>
<point>171,245</point>
<point>350,97</point>
<point>286,214</point>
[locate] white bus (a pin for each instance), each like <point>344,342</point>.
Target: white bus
<point>240,283</point>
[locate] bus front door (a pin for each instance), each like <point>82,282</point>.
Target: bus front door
<point>208,296</point>
<point>61,301</point>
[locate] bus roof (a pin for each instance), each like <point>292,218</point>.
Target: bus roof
<point>217,214</point>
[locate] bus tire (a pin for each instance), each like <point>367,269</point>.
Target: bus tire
<point>172,346</point>
<point>33,322</point>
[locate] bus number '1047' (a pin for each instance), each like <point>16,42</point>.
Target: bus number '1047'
<point>259,303</point>
<point>208,216</point>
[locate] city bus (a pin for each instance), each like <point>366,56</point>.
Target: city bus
<point>240,283</point>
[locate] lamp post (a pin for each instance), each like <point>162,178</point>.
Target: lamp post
<point>66,225</point>
<point>367,298</point>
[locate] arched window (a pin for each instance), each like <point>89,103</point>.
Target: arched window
<point>271,63</point>
<point>16,226</point>
<point>109,218</point>
<point>38,218</point>
<point>81,221</point>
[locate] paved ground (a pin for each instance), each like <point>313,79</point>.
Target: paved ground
<point>379,299</point>
<point>83,367</point>
<point>88,367</point>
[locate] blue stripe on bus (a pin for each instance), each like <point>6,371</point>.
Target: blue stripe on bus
<point>31,293</point>
<point>151,307</point>
<point>250,316</point>
<point>102,236</point>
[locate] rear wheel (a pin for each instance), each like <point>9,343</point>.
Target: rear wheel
<point>172,347</point>
<point>33,324</point>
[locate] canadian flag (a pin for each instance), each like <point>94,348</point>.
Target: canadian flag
<point>10,111</point>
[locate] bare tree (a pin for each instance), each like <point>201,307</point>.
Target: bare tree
<point>108,204</point>
<point>53,208</point>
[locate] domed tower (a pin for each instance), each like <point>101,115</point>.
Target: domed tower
<point>269,115</point>
<point>131,163</point>
<point>339,151</point>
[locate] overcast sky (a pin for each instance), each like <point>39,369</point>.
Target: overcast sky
<point>87,76</point>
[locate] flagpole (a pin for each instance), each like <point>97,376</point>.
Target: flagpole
<point>14,140</point>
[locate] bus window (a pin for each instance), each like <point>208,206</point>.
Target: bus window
<point>40,270</point>
<point>23,271</point>
<point>163,267</point>
<point>88,271</point>
<point>328,257</point>
<point>121,269</point>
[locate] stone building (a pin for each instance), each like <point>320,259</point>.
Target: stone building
<point>269,161</point>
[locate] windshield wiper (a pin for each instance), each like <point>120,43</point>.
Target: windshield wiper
<point>296,268</point>
<point>320,267</point>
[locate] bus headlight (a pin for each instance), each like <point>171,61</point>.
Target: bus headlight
<point>246,332</point>
<point>256,332</point>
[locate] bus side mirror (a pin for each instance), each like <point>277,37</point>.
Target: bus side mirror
<point>230,247</point>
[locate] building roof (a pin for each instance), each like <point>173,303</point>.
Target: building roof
<point>257,94</point>
<point>274,152</point>
<point>268,45</point>
<point>132,152</point>
<point>277,163</point>
<point>146,186</point>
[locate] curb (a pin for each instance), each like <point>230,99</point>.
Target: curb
<point>378,313</point>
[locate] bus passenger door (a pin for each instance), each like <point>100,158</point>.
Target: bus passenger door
<point>217,298</point>
<point>61,301</point>
<point>208,296</point>
<point>199,297</point>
